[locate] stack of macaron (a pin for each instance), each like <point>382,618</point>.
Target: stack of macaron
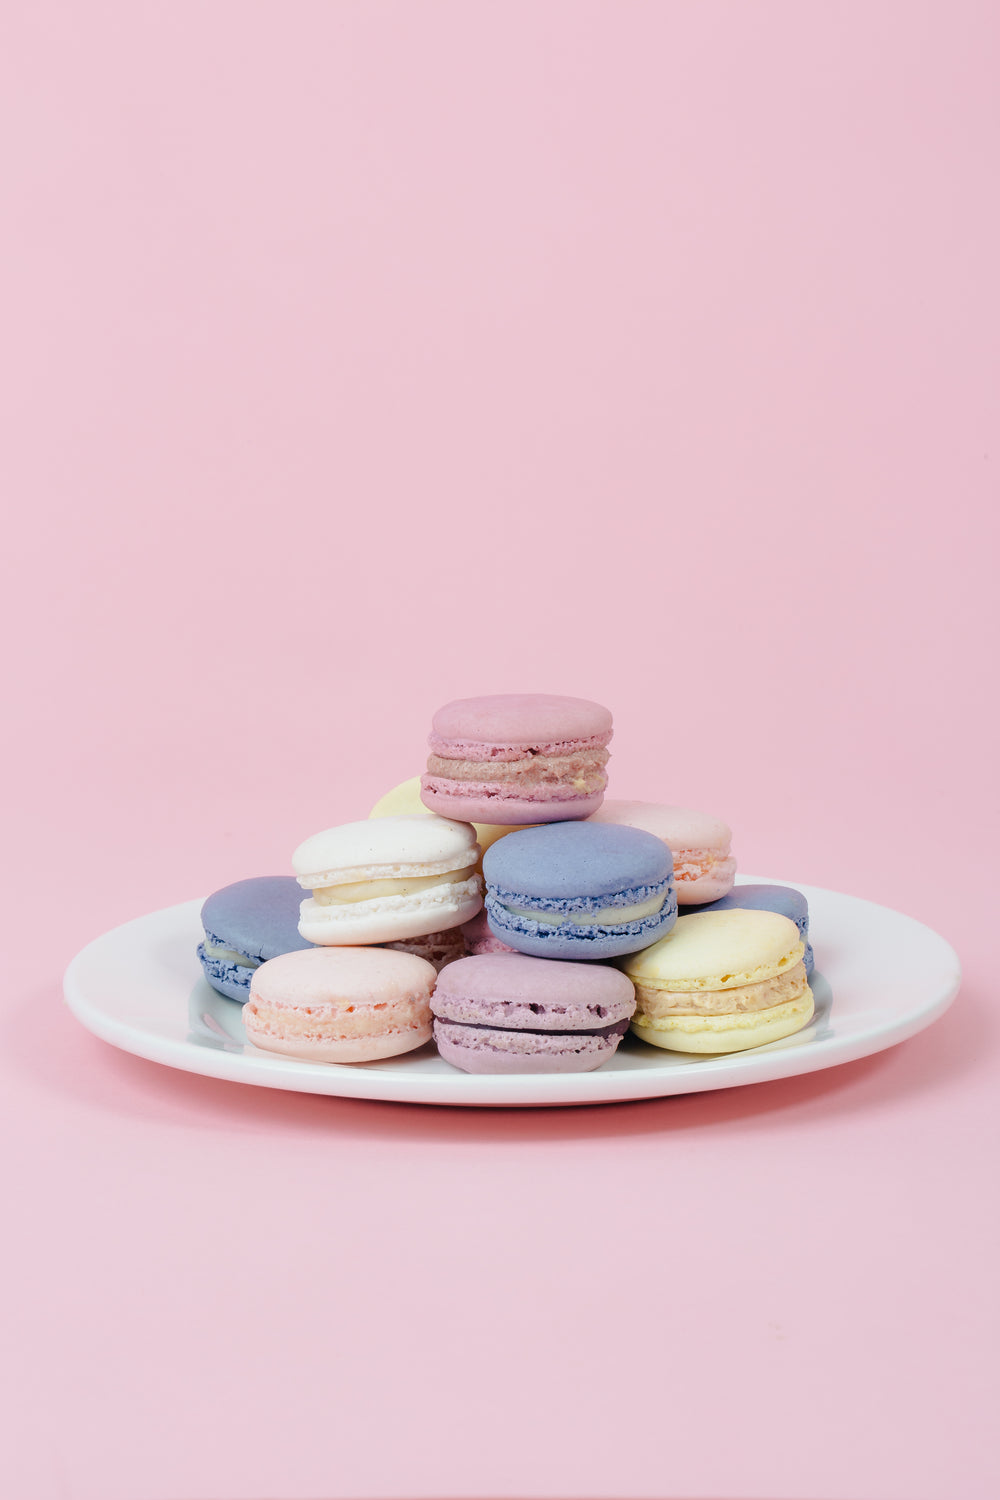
<point>499,905</point>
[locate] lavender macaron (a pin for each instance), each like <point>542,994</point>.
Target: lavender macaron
<point>507,1013</point>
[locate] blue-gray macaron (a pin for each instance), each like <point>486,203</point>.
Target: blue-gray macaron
<point>246,924</point>
<point>579,890</point>
<point>784,899</point>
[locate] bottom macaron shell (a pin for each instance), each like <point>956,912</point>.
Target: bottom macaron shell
<point>505,810</point>
<point>727,1033</point>
<point>390,919</point>
<point>338,1049</point>
<point>225,977</point>
<point>568,941</point>
<point>710,887</point>
<point>482,1049</point>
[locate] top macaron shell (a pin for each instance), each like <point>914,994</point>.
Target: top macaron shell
<point>515,992</point>
<point>246,924</point>
<point>555,892</point>
<point>395,849</point>
<point>518,758</point>
<point>704,869</point>
<point>719,950</point>
<point>784,899</point>
<point>518,720</point>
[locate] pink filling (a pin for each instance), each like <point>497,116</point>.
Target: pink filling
<point>331,1022</point>
<point>695,864</point>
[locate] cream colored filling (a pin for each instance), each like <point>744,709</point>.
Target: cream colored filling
<point>744,1020</point>
<point>638,965</point>
<point>606,916</point>
<point>372,890</point>
<point>764,994</point>
<point>229,955</point>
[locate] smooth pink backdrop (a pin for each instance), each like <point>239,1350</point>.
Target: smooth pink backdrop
<point>357,356</point>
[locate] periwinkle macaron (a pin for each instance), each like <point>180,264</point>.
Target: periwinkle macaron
<point>246,924</point>
<point>579,890</point>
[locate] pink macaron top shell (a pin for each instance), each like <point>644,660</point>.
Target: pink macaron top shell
<point>323,977</point>
<point>505,726</point>
<point>679,827</point>
<point>536,994</point>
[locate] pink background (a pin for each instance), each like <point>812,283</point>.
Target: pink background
<point>358,356</point>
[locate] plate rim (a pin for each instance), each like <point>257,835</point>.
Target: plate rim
<point>731,1070</point>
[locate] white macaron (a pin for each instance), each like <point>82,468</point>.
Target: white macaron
<point>387,879</point>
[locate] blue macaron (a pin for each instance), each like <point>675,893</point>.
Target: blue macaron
<point>579,890</point>
<point>246,924</point>
<point>784,899</point>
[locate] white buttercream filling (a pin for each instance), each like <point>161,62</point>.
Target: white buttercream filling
<point>375,890</point>
<point>229,955</point>
<point>441,894</point>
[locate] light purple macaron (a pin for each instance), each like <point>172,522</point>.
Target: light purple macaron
<point>507,1013</point>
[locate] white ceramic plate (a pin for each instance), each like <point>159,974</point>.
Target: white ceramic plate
<point>880,977</point>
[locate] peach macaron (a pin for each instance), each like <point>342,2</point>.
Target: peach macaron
<point>341,1005</point>
<point>704,867</point>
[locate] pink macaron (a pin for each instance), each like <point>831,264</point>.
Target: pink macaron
<point>480,939</point>
<point>439,948</point>
<point>704,868</point>
<point>517,758</point>
<point>341,1005</point>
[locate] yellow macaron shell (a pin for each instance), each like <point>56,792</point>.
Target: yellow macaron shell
<point>404,801</point>
<point>718,950</point>
<point>732,1033</point>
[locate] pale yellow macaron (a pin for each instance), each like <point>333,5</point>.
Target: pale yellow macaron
<point>404,802</point>
<point>721,981</point>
